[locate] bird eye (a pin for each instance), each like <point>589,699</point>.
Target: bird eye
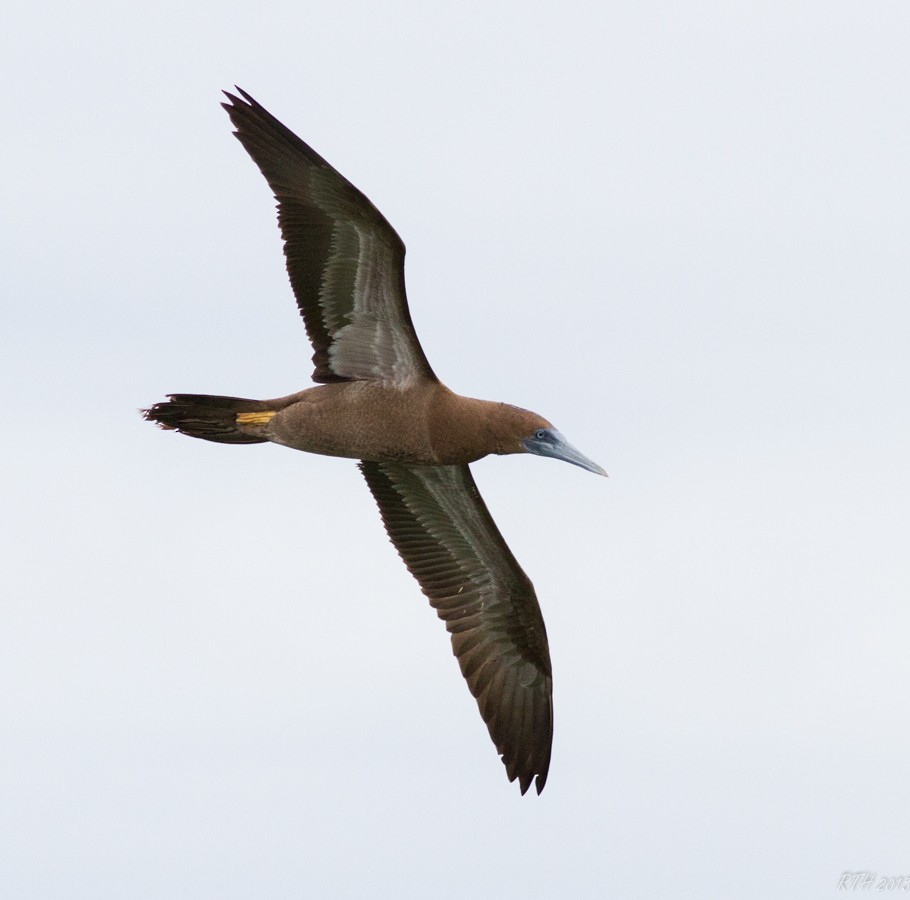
<point>540,435</point>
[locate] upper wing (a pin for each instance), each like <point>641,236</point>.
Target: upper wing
<point>345,261</point>
<point>443,531</point>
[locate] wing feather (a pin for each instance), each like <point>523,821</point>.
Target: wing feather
<point>443,531</point>
<point>344,260</point>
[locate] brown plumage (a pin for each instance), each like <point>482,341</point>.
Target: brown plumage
<point>380,402</point>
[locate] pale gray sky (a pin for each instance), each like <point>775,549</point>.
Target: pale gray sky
<point>680,232</point>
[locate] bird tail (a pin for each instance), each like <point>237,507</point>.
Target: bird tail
<point>227,420</point>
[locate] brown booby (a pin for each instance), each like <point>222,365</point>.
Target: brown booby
<point>378,401</point>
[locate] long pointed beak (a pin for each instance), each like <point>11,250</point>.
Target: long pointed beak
<point>555,445</point>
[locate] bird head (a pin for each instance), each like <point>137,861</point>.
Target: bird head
<point>523,431</point>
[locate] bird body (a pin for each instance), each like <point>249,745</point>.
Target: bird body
<point>377,400</point>
<point>424,424</point>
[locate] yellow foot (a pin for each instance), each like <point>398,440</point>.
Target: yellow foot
<point>255,418</point>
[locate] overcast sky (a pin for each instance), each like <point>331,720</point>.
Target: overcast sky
<point>679,231</point>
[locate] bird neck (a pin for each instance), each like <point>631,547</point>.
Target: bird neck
<point>465,429</point>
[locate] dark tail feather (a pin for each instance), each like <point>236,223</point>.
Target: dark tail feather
<point>206,417</point>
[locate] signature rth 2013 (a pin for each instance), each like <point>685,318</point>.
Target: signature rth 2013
<point>872,881</point>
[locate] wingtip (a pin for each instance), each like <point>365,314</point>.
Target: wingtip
<point>525,782</point>
<point>235,107</point>
<point>235,100</point>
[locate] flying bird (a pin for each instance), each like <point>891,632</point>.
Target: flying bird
<point>378,401</point>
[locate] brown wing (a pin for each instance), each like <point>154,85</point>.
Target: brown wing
<point>443,531</point>
<point>345,262</point>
